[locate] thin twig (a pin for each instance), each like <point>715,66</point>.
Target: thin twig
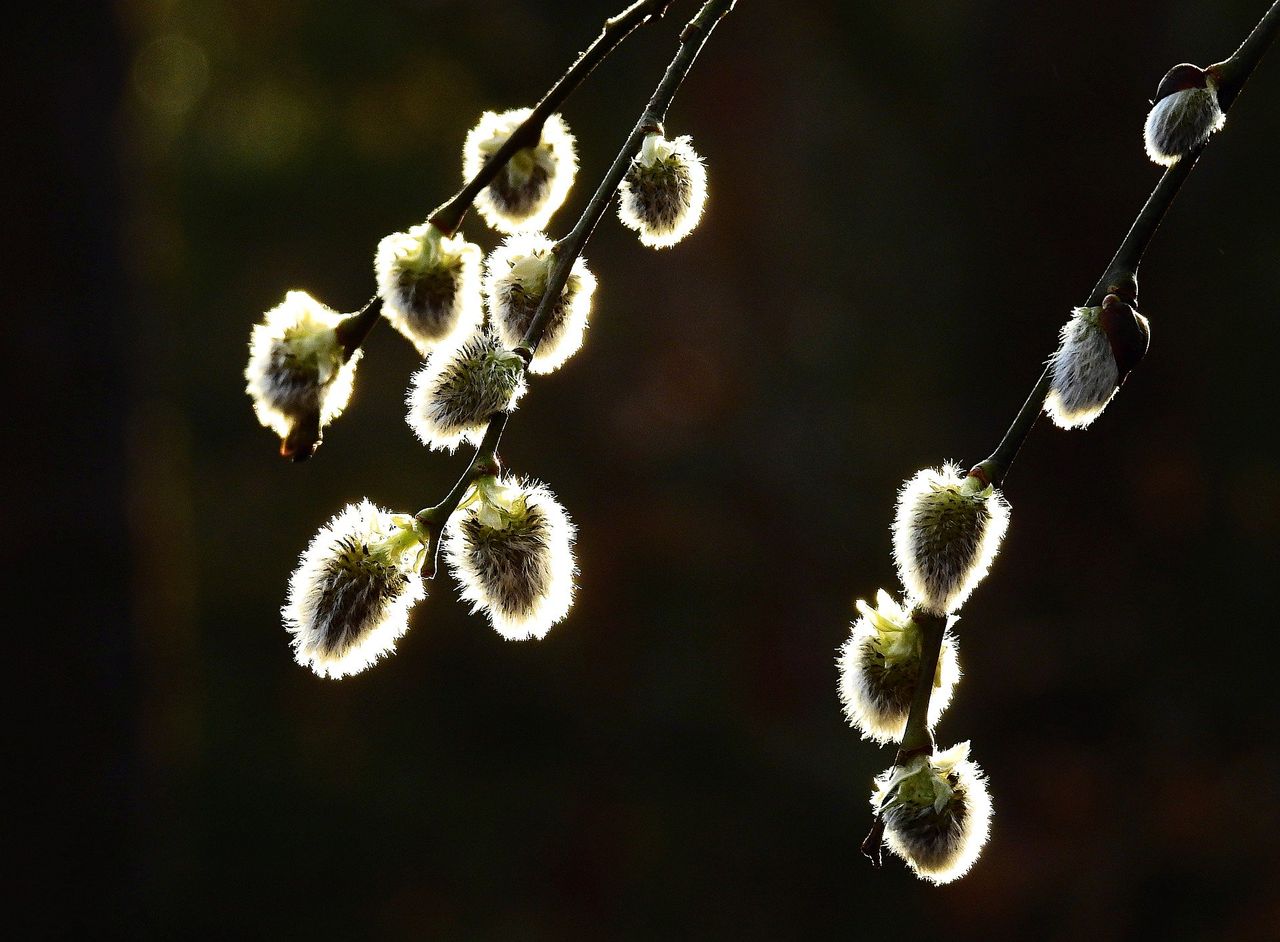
<point>1121,272</point>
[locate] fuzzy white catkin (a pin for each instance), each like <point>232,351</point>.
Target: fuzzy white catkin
<point>936,812</point>
<point>515,281</point>
<point>296,372</point>
<point>350,596</point>
<point>534,183</point>
<point>430,286</point>
<point>879,665</point>
<point>664,192</point>
<point>452,397</point>
<point>946,532</point>
<point>511,551</point>
<point>1082,371</point>
<point>1180,122</point>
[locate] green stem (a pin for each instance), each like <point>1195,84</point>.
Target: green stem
<point>1120,275</point>
<point>917,739</point>
<point>448,218</point>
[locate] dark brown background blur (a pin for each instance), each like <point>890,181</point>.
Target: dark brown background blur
<point>906,200</point>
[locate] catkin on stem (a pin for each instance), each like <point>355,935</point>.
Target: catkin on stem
<point>511,550</point>
<point>350,596</point>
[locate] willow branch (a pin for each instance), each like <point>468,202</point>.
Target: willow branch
<point>1120,275</point>
<point>1232,73</point>
<point>917,739</point>
<point>448,218</point>
<point>568,249</point>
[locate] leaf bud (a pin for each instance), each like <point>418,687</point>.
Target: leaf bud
<point>1097,349</point>
<point>1183,115</point>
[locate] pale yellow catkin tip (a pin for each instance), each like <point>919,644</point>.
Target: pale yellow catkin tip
<point>936,812</point>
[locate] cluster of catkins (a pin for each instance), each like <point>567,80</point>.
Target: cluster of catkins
<point>509,543</point>
<point>933,806</point>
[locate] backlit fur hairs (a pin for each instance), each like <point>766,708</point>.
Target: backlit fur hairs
<point>295,373</point>
<point>430,286</point>
<point>1182,121</point>
<point>936,813</point>
<point>350,596</point>
<point>534,183</point>
<point>452,397</point>
<point>511,551</point>
<point>1083,372</point>
<point>664,191</point>
<point>879,665</point>
<point>946,532</point>
<point>515,281</point>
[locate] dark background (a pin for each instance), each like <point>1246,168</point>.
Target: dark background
<point>907,198</point>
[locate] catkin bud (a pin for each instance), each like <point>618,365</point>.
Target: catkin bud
<point>879,666</point>
<point>536,179</point>
<point>936,813</point>
<point>430,286</point>
<point>946,532</point>
<point>511,550</point>
<point>297,374</point>
<point>515,280</point>
<point>1098,348</point>
<point>1184,114</point>
<point>350,596</point>
<point>664,191</point>
<point>453,395</point>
